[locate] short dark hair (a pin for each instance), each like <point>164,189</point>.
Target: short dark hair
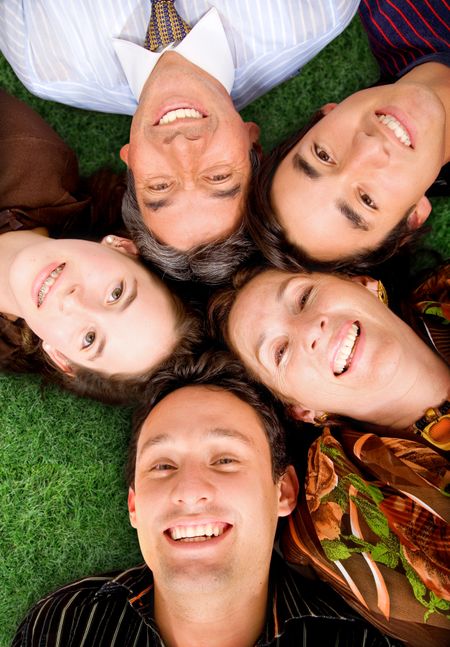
<point>270,238</point>
<point>211,263</point>
<point>218,369</point>
<point>27,356</point>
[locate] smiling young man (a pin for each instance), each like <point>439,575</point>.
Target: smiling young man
<point>190,153</point>
<point>209,477</point>
<point>350,188</point>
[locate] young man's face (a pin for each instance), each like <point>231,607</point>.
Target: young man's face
<point>189,152</point>
<point>360,170</point>
<point>204,502</point>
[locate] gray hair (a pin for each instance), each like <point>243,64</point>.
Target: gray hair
<point>212,263</point>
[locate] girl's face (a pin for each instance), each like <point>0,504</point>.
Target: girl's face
<point>93,306</point>
<point>322,342</point>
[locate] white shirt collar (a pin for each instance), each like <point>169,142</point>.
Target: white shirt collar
<point>206,45</point>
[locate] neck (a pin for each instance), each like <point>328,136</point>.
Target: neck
<point>435,76</point>
<point>11,244</point>
<point>227,619</point>
<point>429,387</point>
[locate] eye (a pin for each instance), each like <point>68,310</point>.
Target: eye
<point>322,154</point>
<point>162,467</point>
<point>160,186</point>
<point>88,339</point>
<point>367,200</point>
<point>304,296</point>
<point>115,294</point>
<point>219,177</point>
<point>226,460</point>
<point>280,352</point>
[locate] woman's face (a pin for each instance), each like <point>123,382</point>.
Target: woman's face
<point>93,306</point>
<point>321,342</point>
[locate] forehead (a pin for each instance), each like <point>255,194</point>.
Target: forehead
<point>198,411</point>
<point>191,218</point>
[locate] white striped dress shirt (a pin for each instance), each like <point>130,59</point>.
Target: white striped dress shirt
<point>63,50</point>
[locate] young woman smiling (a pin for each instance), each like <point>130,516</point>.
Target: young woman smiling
<point>326,343</point>
<point>86,314</point>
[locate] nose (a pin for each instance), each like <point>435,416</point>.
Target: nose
<point>368,148</point>
<point>192,487</point>
<point>189,131</point>
<point>312,332</point>
<point>72,300</point>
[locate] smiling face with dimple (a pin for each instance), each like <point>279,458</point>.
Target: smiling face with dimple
<point>204,501</point>
<point>93,306</point>
<point>322,342</point>
<point>189,152</point>
<point>362,169</point>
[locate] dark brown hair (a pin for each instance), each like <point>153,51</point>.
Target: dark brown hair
<point>270,237</point>
<point>21,352</point>
<point>217,369</point>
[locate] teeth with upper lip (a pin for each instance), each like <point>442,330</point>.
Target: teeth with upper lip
<point>393,124</point>
<point>196,533</point>
<point>180,113</point>
<point>345,353</point>
<point>47,284</point>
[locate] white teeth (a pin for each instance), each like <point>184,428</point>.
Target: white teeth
<point>196,533</point>
<point>180,113</point>
<point>393,124</point>
<point>345,351</point>
<point>47,284</point>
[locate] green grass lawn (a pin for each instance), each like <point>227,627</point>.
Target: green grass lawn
<point>63,496</point>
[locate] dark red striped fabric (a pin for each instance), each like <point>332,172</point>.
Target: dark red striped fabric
<point>404,33</point>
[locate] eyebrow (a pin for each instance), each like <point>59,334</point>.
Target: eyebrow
<point>123,305</point>
<point>154,205</point>
<point>356,220</point>
<point>300,164</point>
<point>227,194</point>
<point>214,432</point>
<point>278,297</point>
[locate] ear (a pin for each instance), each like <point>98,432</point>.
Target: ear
<point>124,153</point>
<point>288,485</point>
<point>298,412</point>
<point>328,107</point>
<point>252,130</point>
<point>132,506</point>
<point>123,245</point>
<point>58,359</point>
<point>368,282</point>
<point>420,214</point>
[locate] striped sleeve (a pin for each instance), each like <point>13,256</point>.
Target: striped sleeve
<point>404,32</point>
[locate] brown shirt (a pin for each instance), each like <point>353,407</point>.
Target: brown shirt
<point>39,172</point>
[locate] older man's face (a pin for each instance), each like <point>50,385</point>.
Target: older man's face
<point>189,152</point>
<point>204,502</point>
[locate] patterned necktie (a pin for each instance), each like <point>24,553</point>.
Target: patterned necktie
<point>165,26</point>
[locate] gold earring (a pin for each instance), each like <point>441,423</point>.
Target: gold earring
<point>320,421</point>
<point>382,294</point>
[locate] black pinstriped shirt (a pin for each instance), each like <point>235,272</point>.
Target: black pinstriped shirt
<point>116,610</point>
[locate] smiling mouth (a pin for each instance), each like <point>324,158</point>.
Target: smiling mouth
<point>180,113</point>
<point>48,283</point>
<point>397,128</point>
<point>201,532</point>
<point>346,350</point>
